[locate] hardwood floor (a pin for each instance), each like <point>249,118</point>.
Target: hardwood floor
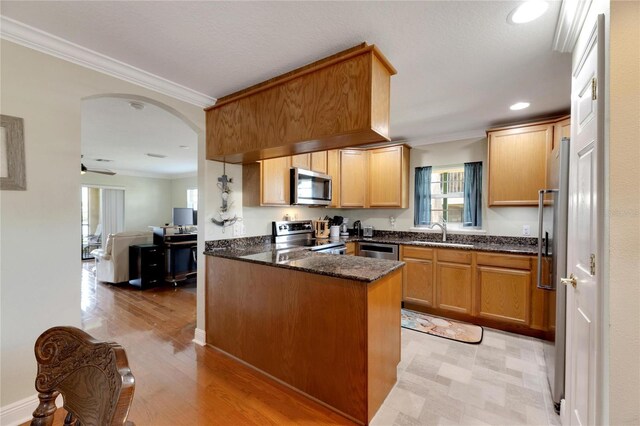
<point>177,381</point>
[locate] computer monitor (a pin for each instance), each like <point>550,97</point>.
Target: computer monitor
<point>183,216</point>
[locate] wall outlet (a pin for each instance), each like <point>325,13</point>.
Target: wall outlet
<point>526,230</point>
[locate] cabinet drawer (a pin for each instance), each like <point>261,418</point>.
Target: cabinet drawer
<point>504,260</point>
<point>417,252</point>
<point>454,256</point>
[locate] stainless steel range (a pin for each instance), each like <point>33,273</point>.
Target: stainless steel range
<point>299,233</point>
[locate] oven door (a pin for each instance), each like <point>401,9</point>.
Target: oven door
<point>310,188</point>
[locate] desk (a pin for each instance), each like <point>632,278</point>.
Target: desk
<point>177,247</point>
<point>172,251</point>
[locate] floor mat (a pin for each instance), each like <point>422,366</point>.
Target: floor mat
<point>442,327</point>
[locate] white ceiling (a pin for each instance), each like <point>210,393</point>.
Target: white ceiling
<point>113,130</point>
<point>460,64</point>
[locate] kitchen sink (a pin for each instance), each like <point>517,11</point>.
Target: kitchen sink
<point>442,244</point>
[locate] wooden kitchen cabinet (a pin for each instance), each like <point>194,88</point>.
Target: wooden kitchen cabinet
<point>453,281</point>
<point>518,164</point>
<point>333,170</point>
<point>319,162</point>
<point>302,161</point>
<point>350,249</point>
<point>518,157</point>
<point>337,102</point>
<point>389,177</point>
<point>353,178</point>
<point>418,281</point>
<point>492,289</point>
<point>266,183</point>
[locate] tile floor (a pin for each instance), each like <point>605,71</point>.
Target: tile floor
<point>501,381</point>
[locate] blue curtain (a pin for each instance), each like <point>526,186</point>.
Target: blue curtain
<point>472,211</point>
<point>422,200</point>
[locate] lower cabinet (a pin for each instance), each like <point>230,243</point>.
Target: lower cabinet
<point>504,294</point>
<point>350,249</point>
<point>418,275</point>
<point>492,289</point>
<point>453,280</point>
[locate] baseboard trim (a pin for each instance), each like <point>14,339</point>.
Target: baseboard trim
<point>200,337</point>
<point>18,412</point>
<point>21,411</point>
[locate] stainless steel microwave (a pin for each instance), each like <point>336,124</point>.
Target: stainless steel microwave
<point>310,188</point>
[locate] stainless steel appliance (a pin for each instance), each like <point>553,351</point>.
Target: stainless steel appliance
<point>378,250</point>
<point>367,231</point>
<point>310,188</point>
<point>299,233</point>
<point>552,260</point>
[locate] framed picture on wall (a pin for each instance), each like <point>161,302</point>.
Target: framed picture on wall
<point>12,168</point>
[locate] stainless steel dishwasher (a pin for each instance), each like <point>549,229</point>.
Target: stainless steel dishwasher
<point>378,250</point>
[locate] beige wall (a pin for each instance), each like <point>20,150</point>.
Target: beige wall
<point>624,214</point>
<point>42,289</point>
<point>179,190</point>
<point>147,201</point>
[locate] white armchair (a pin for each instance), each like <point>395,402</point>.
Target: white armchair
<point>112,262</point>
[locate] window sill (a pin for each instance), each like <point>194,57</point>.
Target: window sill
<point>451,229</point>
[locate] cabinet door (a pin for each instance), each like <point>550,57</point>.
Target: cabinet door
<point>275,181</point>
<point>301,160</point>
<point>319,162</point>
<point>518,164</point>
<point>351,249</point>
<point>418,283</point>
<point>353,174</point>
<point>385,177</point>
<point>333,170</point>
<point>453,286</point>
<point>504,294</point>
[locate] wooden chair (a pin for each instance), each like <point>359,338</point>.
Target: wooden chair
<point>93,377</point>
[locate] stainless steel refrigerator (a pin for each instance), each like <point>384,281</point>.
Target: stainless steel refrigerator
<point>552,260</point>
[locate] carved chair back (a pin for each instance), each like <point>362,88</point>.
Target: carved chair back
<point>93,377</point>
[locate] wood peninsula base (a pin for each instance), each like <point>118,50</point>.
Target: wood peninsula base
<point>335,340</point>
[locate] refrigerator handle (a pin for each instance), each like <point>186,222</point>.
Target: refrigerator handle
<point>541,194</point>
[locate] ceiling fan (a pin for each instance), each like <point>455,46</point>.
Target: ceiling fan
<point>84,169</point>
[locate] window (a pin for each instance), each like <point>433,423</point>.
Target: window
<point>192,198</point>
<point>451,193</point>
<point>447,194</point>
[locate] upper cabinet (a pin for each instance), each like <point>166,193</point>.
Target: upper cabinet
<point>517,160</point>
<point>302,161</point>
<point>375,178</point>
<point>353,178</point>
<point>340,101</point>
<point>266,183</point>
<point>389,177</point>
<point>319,162</point>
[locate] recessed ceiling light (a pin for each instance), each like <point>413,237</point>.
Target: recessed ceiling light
<point>528,11</point>
<point>149,154</point>
<point>184,146</point>
<point>136,105</point>
<point>519,105</point>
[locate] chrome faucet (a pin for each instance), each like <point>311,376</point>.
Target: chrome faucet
<point>443,226</point>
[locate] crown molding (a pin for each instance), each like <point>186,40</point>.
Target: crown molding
<point>573,13</point>
<point>33,38</point>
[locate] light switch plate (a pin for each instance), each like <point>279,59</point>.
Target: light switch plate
<point>526,230</point>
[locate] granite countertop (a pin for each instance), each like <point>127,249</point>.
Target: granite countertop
<point>260,250</point>
<point>494,247</point>
<point>302,259</point>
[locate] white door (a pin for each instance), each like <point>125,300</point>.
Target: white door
<point>584,239</point>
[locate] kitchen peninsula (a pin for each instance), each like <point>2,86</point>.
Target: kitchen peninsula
<point>326,325</point>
